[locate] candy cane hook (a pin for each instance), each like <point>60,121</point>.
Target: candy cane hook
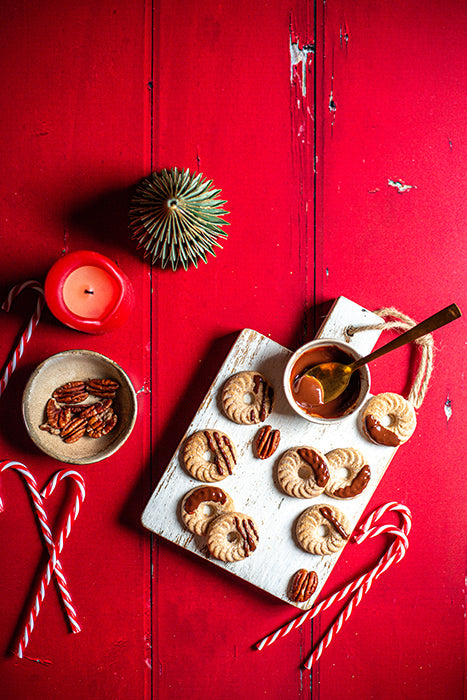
<point>26,335</point>
<point>360,586</point>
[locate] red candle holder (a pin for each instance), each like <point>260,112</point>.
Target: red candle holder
<point>89,292</point>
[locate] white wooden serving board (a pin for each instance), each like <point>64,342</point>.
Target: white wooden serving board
<point>252,486</point>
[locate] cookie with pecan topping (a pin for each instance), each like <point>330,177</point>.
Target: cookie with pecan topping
<point>209,455</point>
<point>247,398</point>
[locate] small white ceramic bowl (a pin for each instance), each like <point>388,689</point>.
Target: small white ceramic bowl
<point>354,355</point>
<point>68,366</point>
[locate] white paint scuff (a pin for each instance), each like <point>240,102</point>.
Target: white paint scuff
<point>400,185</point>
<point>299,55</point>
<point>448,408</point>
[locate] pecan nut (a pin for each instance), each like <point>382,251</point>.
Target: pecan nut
<point>303,585</point>
<point>101,425</point>
<point>95,409</point>
<point>74,430</point>
<point>52,411</point>
<point>267,441</point>
<point>57,416</point>
<point>70,393</point>
<point>102,388</point>
<point>69,417</point>
<point>64,417</point>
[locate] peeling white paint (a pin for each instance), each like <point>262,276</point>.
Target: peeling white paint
<point>299,55</point>
<point>146,388</point>
<point>343,36</point>
<point>400,185</point>
<point>448,408</point>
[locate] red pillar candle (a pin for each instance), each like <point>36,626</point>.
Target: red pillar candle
<point>88,292</point>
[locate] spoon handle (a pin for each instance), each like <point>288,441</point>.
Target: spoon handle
<point>441,318</point>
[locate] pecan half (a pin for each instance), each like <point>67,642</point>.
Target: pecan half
<point>57,416</point>
<point>266,442</point>
<point>64,417</point>
<point>71,392</point>
<point>95,409</point>
<point>103,388</point>
<point>303,585</point>
<point>74,430</point>
<point>98,426</point>
<point>52,411</point>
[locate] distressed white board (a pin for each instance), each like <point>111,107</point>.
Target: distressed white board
<point>252,486</point>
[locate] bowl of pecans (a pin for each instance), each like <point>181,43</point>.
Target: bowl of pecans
<point>79,406</point>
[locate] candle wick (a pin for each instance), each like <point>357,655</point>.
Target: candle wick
<point>88,291</point>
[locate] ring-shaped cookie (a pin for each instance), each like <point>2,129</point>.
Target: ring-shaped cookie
<point>303,472</point>
<point>232,537</point>
<point>202,505</point>
<point>209,455</point>
<point>389,419</point>
<point>247,398</point>
<point>322,529</point>
<point>349,473</point>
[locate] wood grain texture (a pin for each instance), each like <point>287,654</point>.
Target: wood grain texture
<point>396,118</point>
<point>74,102</point>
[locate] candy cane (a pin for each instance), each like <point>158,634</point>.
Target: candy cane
<point>54,549</point>
<point>360,586</point>
<point>402,510</point>
<point>36,497</point>
<point>26,335</point>
<point>394,554</point>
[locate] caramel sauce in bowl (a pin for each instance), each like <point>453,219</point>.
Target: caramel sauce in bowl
<point>303,392</point>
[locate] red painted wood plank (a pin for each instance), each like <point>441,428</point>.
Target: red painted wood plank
<point>226,106</point>
<point>75,103</point>
<point>389,111</point>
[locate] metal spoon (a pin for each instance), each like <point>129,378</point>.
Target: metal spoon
<point>333,377</point>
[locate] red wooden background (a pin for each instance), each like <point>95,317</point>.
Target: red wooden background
<point>311,118</point>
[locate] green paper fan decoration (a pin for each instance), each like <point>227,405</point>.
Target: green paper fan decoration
<point>176,216</point>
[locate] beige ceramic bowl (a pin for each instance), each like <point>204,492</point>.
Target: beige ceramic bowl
<point>68,366</point>
<point>363,372</point>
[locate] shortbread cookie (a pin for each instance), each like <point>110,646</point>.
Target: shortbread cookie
<point>209,455</point>
<point>349,473</point>
<point>322,529</point>
<point>303,472</point>
<point>232,537</point>
<point>389,419</point>
<point>247,398</point>
<point>202,505</point>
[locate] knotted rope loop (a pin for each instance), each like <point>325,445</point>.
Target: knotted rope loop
<point>396,320</point>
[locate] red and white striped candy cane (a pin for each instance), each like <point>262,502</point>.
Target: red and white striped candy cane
<point>360,586</point>
<point>54,550</point>
<point>26,335</point>
<point>394,554</point>
<point>377,514</point>
<point>36,497</point>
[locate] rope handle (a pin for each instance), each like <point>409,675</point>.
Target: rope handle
<point>396,320</point>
